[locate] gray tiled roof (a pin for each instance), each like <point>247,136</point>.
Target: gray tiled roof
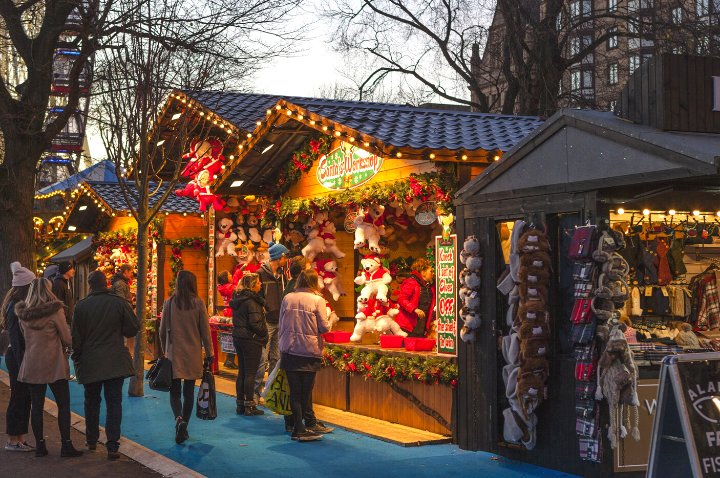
<point>395,125</point>
<point>111,193</point>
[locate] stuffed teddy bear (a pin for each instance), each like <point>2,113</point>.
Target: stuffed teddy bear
<point>327,232</point>
<point>315,244</point>
<point>253,231</point>
<point>199,156</point>
<point>240,228</point>
<point>374,278</point>
<point>332,317</point>
<point>471,321</point>
<point>365,319</point>
<point>369,227</point>
<point>118,256</point>
<point>225,238</point>
<point>327,270</point>
<point>385,320</point>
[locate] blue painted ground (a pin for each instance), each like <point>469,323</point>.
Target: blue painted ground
<point>234,445</point>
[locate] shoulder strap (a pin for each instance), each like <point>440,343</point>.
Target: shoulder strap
<point>169,335</point>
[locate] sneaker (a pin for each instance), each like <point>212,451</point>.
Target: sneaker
<point>181,433</point>
<point>72,378</point>
<point>113,455</point>
<point>320,428</point>
<point>230,366</point>
<point>252,410</point>
<point>28,445</point>
<point>307,435</point>
<point>17,447</point>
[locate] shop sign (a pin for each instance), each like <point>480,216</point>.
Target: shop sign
<point>446,294</point>
<point>226,343</point>
<point>631,455</point>
<point>347,167</point>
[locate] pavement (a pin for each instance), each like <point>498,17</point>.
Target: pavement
<point>91,464</point>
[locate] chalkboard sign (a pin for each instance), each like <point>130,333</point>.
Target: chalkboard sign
<point>686,432</point>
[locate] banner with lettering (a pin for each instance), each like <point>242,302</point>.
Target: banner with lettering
<point>347,167</point>
<point>446,294</point>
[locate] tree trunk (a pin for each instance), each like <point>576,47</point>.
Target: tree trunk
<point>17,181</point>
<point>136,386</point>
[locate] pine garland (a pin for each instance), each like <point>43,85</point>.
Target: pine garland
<point>177,245</point>
<point>302,160</point>
<point>390,368</point>
<point>438,186</point>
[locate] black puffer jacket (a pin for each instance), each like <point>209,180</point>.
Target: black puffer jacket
<point>248,313</point>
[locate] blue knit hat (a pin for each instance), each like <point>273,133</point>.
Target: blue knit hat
<point>276,251</point>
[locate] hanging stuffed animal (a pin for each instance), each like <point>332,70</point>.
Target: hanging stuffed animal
<point>327,232</point>
<point>198,157</point>
<point>225,238</point>
<point>315,244</point>
<point>253,232</point>
<point>240,228</point>
<point>332,317</point>
<point>374,278</point>
<point>327,270</point>
<point>369,227</point>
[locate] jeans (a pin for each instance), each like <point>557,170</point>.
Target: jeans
<point>182,409</point>
<point>61,392</point>
<point>249,353</point>
<point>301,386</point>
<point>270,356</point>
<point>113,405</point>
<point>17,419</point>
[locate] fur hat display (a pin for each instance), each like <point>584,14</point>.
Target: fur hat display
<point>530,392</point>
<point>530,292</point>
<point>536,259</point>
<point>533,347</point>
<point>470,282</point>
<point>533,330</point>
<point>532,310</point>
<point>533,240</point>
<point>534,275</point>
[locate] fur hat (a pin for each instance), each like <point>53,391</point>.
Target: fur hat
<point>536,259</point>
<point>532,310</point>
<point>533,240</point>
<point>533,292</point>
<point>530,391</point>
<point>533,330</point>
<point>533,275</point>
<point>537,365</point>
<point>533,347</point>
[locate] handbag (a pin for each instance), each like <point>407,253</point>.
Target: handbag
<point>160,374</point>
<point>583,243</point>
<point>206,400</point>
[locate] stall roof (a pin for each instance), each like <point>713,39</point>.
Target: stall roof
<point>393,124</point>
<point>112,194</point>
<point>104,171</point>
<point>579,150</point>
<point>76,252</point>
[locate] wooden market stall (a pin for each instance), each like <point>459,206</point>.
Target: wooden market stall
<point>322,168</point>
<point>648,188</point>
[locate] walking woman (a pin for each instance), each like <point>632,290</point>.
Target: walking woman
<point>250,335</point>
<point>303,318</point>
<point>43,324</point>
<point>17,419</point>
<point>184,332</point>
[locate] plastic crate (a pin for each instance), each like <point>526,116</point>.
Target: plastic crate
<point>419,344</point>
<point>337,337</point>
<point>391,341</point>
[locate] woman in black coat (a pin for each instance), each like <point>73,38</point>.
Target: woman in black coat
<point>250,335</point>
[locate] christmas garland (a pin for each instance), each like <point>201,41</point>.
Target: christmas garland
<point>391,369</point>
<point>176,247</point>
<point>302,160</point>
<point>438,186</point>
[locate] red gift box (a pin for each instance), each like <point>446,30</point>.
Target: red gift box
<point>419,344</point>
<point>337,337</point>
<point>391,341</point>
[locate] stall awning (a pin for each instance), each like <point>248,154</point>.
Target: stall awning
<point>580,150</point>
<point>76,252</point>
<point>104,171</point>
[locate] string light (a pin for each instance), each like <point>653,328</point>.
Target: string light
<point>621,210</point>
<point>432,155</point>
<point>696,213</point>
<point>671,212</point>
<point>646,212</point>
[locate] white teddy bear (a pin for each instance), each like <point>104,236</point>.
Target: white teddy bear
<point>365,318</point>
<point>327,270</point>
<point>369,227</point>
<point>327,231</point>
<point>226,238</point>
<point>315,243</point>
<point>374,278</point>
<point>385,323</point>
<point>332,317</point>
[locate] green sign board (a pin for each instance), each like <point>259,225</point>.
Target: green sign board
<point>446,294</point>
<point>347,167</point>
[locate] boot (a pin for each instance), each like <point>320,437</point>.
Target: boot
<point>40,448</point>
<point>68,450</point>
<point>240,407</point>
<point>251,409</point>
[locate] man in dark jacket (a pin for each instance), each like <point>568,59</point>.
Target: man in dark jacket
<point>273,283</point>
<point>101,359</point>
<point>120,282</point>
<point>62,289</point>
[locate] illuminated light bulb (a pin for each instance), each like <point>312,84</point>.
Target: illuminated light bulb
<point>338,133</point>
<point>167,213</point>
<point>671,212</point>
<point>228,131</point>
<point>696,213</point>
<point>176,116</point>
<point>646,212</point>
<point>398,154</point>
<point>278,107</point>
<point>202,113</point>
<point>268,112</point>
<point>464,157</point>
<point>249,135</point>
<point>232,156</point>
<point>352,140</point>
<point>214,121</point>
<point>324,128</point>
<point>300,117</point>
<point>496,157</point>
<point>621,210</point>
<point>312,121</point>
<point>214,176</point>
<point>289,112</point>
<point>432,155</point>
<point>184,214</point>
<point>240,146</point>
<point>366,144</point>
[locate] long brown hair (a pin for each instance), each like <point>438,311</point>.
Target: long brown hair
<point>40,292</point>
<point>248,281</point>
<point>185,290</point>
<point>13,296</point>
<point>308,279</point>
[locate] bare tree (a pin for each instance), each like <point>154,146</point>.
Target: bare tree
<point>177,45</point>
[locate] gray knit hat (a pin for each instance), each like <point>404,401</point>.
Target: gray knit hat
<point>20,275</point>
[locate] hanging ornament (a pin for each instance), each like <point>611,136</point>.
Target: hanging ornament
<point>349,223</point>
<point>425,213</point>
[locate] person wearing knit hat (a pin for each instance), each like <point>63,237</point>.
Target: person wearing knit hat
<point>18,410</point>
<point>273,284</point>
<point>62,289</point>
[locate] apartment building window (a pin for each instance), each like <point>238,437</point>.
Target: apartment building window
<point>612,5</point>
<point>678,50</point>
<point>612,41</point>
<point>613,74</point>
<point>612,106</point>
<point>703,44</point>
<point>580,8</point>
<point>677,15</point>
<point>634,63</point>
<point>581,83</point>
<point>632,27</point>
<point>702,8</point>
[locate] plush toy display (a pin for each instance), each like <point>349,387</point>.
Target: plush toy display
<point>369,227</point>
<point>253,231</point>
<point>327,233</point>
<point>332,317</point>
<point>225,238</point>
<point>374,278</point>
<point>327,270</point>
<point>315,244</point>
<point>240,228</point>
<point>205,161</point>
<point>469,291</point>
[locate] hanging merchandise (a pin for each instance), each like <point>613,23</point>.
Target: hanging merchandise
<point>470,296</point>
<point>369,227</point>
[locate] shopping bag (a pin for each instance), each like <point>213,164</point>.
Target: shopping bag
<point>206,408</point>
<point>277,397</point>
<point>160,375</point>
<point>270,380</point>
